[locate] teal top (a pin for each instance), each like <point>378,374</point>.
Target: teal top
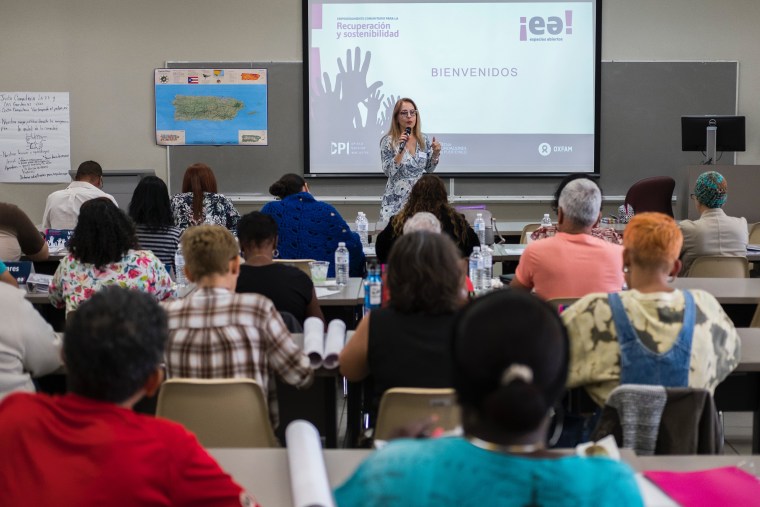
<point>3,267</point>
<point>452,471</point>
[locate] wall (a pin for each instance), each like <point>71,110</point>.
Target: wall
<point>103,53</point>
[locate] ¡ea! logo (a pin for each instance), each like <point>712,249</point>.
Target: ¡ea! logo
<point>553,25</point>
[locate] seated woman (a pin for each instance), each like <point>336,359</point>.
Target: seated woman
<point>289,288</point>
<point>407,344</point>
<point>605,233</point>
<point>151,212</point>
<point>199,202</point>
<point>714,233</point>
<point>509,367</point>
<point>102,252</point>
<point>428,194</point>
<point>310,229</point>
<point>651,334</point>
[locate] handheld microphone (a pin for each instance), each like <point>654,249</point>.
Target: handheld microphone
<point>407,131</point>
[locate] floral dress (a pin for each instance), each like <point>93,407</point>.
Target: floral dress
<point>403,176</point>
<point>217,209</point>
<point>75,282</point>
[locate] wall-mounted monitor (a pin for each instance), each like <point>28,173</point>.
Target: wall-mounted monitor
<point>508,87</point>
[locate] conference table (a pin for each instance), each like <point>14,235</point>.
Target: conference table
<point>265,473</point>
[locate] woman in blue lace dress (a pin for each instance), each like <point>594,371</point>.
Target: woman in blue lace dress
<point>404,166</point>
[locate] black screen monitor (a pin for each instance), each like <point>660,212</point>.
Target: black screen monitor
<point>730,132</point>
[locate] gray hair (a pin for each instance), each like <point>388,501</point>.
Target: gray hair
<point>581,201</point>
<point>422,221</point>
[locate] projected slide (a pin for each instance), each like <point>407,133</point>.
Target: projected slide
<point>505,87</point>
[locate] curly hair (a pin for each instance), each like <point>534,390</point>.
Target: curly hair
<point>653,239</point>
<point>424,274</point>
<point>103,234</point>
<point>429,194</point>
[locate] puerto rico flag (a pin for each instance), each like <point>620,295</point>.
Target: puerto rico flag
<point>192,80</point>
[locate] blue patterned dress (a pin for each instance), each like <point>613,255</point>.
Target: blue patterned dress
<point>217,209</point>
<point>403,176</point>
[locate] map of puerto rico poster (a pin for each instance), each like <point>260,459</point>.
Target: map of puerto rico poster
<point>211,106</point>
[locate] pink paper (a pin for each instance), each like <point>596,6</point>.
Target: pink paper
<point>727,486</point>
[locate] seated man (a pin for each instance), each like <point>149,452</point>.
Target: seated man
<point>573,263</point>
<point>18,235</point>
<point>88,447</point>
<point>714,233</point>
<point>216,333</point>
<point>62,206</point>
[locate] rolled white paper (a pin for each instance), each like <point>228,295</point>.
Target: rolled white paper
<point>314,340</point>
<point>336,337</point>
<point>308,476</point>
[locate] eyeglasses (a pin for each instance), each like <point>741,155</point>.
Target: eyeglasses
<point>411,113</point>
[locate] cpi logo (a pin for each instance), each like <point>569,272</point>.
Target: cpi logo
<point>553,25</point>
<point>339,148</point>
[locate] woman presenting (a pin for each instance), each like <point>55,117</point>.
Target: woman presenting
<point>406,154</point>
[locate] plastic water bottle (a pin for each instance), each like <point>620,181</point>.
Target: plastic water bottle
<point>373,289</point>
<point>480,228</point>
<point>487,267</point>
<point>546,221</point>
<point>179,269</point>
<point>362,227</point>
<point>476,268</point>
<point>341,264</point>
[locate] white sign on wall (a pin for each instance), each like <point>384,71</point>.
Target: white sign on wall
<point>34,137</point>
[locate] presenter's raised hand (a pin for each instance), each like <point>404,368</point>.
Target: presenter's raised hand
<point>355,89</point>
<point>436,146</point>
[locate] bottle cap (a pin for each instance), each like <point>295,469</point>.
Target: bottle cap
<point>341,244</point>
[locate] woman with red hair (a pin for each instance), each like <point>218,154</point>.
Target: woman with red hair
<point>199,203</point>
<point>651,334</point>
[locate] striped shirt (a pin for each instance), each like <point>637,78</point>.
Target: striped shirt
<point>163,242</point>
<point>215,333</point>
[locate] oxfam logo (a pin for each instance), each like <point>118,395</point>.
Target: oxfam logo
<point>544,149</point>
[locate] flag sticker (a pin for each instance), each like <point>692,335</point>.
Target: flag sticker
<point>192,80</point>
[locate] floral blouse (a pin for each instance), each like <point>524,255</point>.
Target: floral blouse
<point>403,176</point>
<point>75,282</point>
<point>217,209</point>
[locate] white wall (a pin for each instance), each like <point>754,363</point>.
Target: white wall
<point>103,53</point>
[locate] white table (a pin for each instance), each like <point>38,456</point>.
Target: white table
<point>264,473</point>
<point>726,290</point>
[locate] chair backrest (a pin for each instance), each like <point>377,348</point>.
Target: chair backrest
<point>754,233</point>
<point>659,420</point>
<point>652,194</point>
<point>527,230</point>
<point>470,213</point>
<point>401,406</point>
<point>715,266</point>
<point>221,412</point>
<point>561,302</point>
<point>302,264</point>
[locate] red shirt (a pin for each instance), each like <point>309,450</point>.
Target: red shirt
<point>71,450</point>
